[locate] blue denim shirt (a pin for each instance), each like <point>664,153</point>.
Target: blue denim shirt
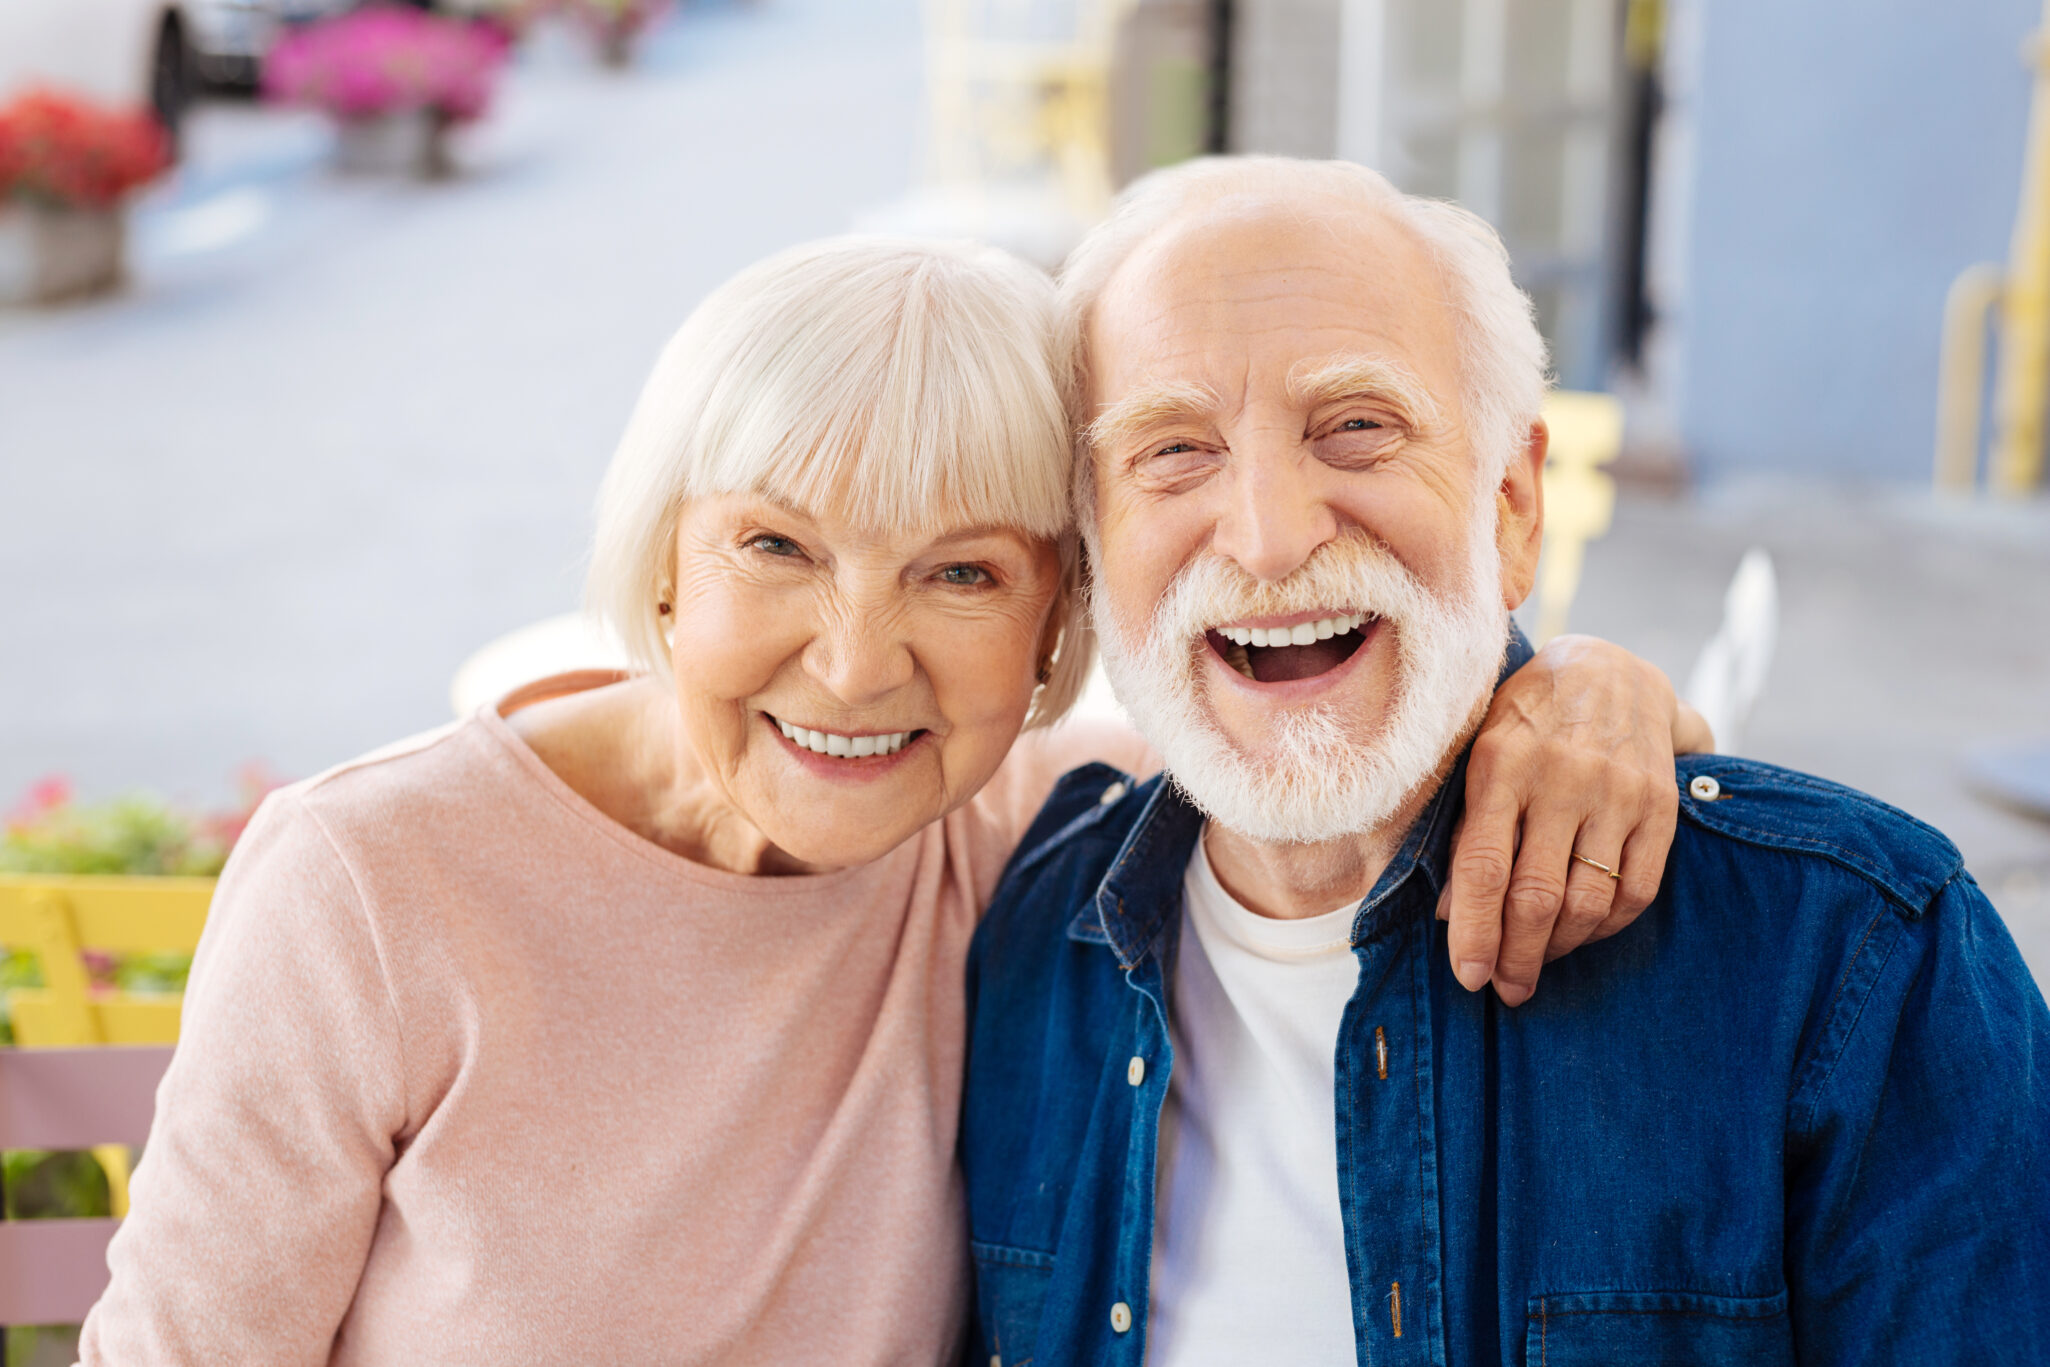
<point>1799,1112</point>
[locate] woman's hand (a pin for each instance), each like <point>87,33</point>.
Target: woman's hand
<point>1575,758</point>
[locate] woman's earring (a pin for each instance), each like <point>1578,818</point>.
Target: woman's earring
<point>663,608</point>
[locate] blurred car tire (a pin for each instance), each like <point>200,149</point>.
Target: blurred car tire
<point>173,81</point>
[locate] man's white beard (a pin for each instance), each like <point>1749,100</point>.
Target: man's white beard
<point>1320,774</point>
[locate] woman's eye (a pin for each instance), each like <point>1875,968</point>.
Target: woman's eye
<point>967,575</point>
<point>1175,448</point>
<point>1358,425</point>
<point>775,545</point>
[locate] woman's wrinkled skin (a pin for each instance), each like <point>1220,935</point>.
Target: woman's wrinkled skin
<point>812,619</point>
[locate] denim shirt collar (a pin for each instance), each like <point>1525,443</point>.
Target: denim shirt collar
<point>1136,902</point>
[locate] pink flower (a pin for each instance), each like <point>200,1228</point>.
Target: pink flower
<point>385,61</point>
<point>44,796</point>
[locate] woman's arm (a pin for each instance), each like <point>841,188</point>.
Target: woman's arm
<point>1575,758</point>
<point>258,1193</point>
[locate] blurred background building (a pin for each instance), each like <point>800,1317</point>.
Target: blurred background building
<point>340,427</point>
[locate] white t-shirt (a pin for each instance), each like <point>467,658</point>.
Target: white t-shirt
<point>1248,1241</point>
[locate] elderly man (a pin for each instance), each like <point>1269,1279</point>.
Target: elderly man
<point>1228,1101</point>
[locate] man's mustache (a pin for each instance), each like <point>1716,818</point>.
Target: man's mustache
<point>1353,572</point>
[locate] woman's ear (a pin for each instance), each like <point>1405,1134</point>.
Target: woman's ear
<point>1520,515</point>
<point>1050,636</point>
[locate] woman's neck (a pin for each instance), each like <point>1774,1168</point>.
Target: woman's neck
<point>621,749</point>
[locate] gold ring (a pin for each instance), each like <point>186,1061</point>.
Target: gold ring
<point>1596,863</point>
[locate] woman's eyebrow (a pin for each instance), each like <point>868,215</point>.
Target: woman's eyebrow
<point>1364,377</point>
<point>1149,405</point>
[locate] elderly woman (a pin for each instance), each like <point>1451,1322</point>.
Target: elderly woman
<point>623,1022</point>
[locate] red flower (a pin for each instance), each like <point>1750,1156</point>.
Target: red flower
<point>70,153</point>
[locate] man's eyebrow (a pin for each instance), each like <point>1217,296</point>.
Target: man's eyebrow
<point>1147,406</point>
<point>1363,377</point>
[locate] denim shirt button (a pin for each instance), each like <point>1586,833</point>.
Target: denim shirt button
<point>1120,1317</point>
<point>1113,793</point>
<point>1135,1071</point>
<point>1705,788</point>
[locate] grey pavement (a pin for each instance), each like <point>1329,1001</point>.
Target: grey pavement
<point>341,433</point>
<point>1913,632</point>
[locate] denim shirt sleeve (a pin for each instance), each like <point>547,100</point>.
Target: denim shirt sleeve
<point>1919,1148</point>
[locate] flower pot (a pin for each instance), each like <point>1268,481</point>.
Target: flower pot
<point>411,142</point>
<point>49,254</point>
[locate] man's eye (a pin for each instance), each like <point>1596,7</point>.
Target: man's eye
<point>967,575</point>
<point>775,545</point>
<point>1358,425</point>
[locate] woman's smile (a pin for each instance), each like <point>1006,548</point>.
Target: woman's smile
<point>845,744</point>
<point>841,756</point>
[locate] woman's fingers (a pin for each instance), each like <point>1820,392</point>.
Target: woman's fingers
<point>1575,755</point>
<point>1590,891</point>
<point>1643,867</point>
<point>1537,894</point>
<point>1483,856</point>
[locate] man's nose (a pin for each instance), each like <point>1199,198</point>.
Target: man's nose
<point>1275,515</point>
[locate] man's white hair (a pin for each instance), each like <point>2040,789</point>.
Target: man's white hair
<point>903,383</point>
<point>1502,355</point>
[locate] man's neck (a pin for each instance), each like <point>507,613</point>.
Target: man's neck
<point>1292,882</point>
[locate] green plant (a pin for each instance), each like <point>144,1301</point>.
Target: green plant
<point>49,833</point>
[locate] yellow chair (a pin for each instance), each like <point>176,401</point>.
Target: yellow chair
<point>1580,496</point>
<point>57,919</point>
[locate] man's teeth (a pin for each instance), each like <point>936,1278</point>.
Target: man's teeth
<point>1300,634</point>
<point>843,747</point>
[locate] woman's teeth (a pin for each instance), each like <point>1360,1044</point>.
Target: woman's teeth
<point>842,747</point>
<point>1300,634</point>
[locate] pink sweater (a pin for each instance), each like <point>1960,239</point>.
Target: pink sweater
<point>471,1073</point>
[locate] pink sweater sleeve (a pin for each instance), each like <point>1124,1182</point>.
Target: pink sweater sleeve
<point>257,1196</point>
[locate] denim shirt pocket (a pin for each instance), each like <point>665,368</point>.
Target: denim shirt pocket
<point>1657,1329</point>
<point>1010,1290</point>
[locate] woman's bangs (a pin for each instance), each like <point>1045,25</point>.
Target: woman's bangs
<point>920,426</point>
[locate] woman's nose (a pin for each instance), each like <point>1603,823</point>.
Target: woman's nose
<point>1273,517</point>
<point>862,657</point>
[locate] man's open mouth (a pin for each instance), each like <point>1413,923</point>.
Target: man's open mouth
<point>1291,649</point>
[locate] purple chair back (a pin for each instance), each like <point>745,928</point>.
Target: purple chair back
<point>51,1271</point>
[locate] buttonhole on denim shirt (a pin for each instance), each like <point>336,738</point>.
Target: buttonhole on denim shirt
<point>1395,1306</point>
<point>1381,1051</point>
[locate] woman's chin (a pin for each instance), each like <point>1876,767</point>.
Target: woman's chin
<point>810,849</point>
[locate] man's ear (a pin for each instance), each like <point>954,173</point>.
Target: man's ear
<point>1520,515</point>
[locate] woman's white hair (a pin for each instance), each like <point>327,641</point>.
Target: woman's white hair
<point>1502,356</point>
<point>906,384</point>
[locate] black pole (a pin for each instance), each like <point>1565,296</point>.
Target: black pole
<point>1217,124</point>
<point>1642,103</point>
